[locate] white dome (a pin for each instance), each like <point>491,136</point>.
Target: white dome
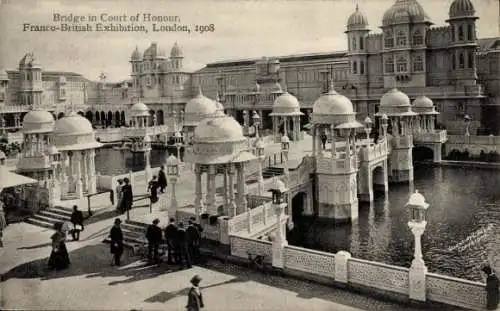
<point>74,124</point>
<point>286,104</point>
<point>417,199</point>
<point>225,129</point>
<point>38,121</point>
<point>53,150</point>
<point>333,103</point>
<point>172,160</point>
<point>3,75</point>
<point>200,105</point>
<point>140,110</point>
<point>423,102</point>
<point>395,98</point>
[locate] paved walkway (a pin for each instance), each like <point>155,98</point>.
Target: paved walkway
<point>92,284</point>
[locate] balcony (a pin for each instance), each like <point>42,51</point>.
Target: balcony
<point>326,165</point>
<point>37,162</point>
<point>401,142</point>
<point>436,136</point>
<point>373,152</point>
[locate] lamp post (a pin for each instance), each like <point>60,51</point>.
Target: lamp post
<point>173,174</point>
<point>259,152</point>
<point>256,123</point>
<point>368,129</point>
<point>385,123</point>
<point>147,153</point>
<point>467,120</point>
<point>418,208</point>
<point>178,144</point>
<point>285,148</point>
<point>278,190</point>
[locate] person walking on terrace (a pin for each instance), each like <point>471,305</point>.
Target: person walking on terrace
<point>162,179</point>
<point>77,221</point>
<point>324,138</point>
<point>181,248</point>
<point>153,190</point>
<point>194,237</point>
<point>127,196</point>
<point>492,288</point>
<point>59,257</point>
<point>195,299</point>
<point>171,238</point>
<point>116,237</point>
<point>154,236</point>
<point>119,196</point>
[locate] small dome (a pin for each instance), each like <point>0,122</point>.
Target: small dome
<point>3,75</point>
<point>225,129</point>
<point>461,8</point>
<point>52,150</point>
<point>176,51</point>
<point>172,160</point>
<point>147,139</point>
<point>140,110</point>
<point>394,98</point>
<point>136,55</point>
<point>38,121</point>
<point>74,124</point>
<point>357,20</point>
<point>277,185</point>
<point>417,199</point>
<point>405,11</point>
<point>286,104</point>
<point>423,102</point>
<point>200,105</point>
<point>333,103</point>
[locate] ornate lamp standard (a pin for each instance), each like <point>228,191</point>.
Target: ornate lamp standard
<point>418,207</point>
<point>259,152</point>
<point>173,174</point>
<point>147,156</point>
<point>178,144</point>
<point>467,120</point>
<point>256,123</point>
<point>385,123</point>
<point>278,190</point>
<point>368,129</point>
<point>285,148</point>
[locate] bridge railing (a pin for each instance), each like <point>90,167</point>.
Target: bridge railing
<point>436,136</point>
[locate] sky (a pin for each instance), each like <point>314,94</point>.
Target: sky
<point>242,29</point>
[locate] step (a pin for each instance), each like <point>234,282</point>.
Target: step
<point>131,227</point>
<point>39,223</point>
<point>45,218</point>
<point>137,224</point>
<point>61,211</point>
<point>50,214</point>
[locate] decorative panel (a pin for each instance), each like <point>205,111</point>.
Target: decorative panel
<point>240,247</point>
<point>306,260</point>
<point>456,292</point>
<point>377,275</point>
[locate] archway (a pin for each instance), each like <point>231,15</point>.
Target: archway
<point>297,235</point>
<point>422,153</point>
<point>378,179</point>
<point>298,202</point>
<point>89,116</point>
<point>117,118</point>
<point>97,117</point>
<point>60,115</point>
<point>267,121</point>
<point>151,114</point>
<point>159,117</point>
<point>103,118</point>
<point>109,119</point>
<point>122,117</point>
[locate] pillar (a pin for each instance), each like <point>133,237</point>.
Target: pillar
<point>225,193</point>
<point>211,207</point>
<point>295,129</point>
<point>242,200</point>
<point>418,270</point>
<point>246,120</point>
<point>314,141</point>
<point>198,201</point>
<point>91,172</point>
<point>275,128</point>
<point>280,240</point>
<point>79,185</point>
<point>232,206</point>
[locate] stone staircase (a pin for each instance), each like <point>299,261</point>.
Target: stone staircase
<point>272,171</point>
<point>47,218</point>
<point>134,234</point>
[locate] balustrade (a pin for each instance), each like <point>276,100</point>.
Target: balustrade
<point>437,136</point>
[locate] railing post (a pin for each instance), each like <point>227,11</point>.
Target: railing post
<point>341,267</point>
<point>88,206</point>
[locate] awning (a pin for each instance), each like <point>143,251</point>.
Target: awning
<point>9,179</point>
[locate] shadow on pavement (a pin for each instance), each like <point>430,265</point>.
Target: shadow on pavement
<point>35,246</point>
<point>92,261</point>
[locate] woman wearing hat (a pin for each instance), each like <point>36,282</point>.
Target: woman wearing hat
<point>116,237</point>
<point>59,257</point>
<point>492,288</point>
<point>195,299</point>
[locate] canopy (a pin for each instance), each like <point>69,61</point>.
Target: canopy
<point>9,179</point>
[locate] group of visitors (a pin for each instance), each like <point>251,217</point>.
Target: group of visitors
<point>124,195</point>
<point>183,244</point>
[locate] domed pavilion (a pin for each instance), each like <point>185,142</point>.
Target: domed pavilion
<point>196,110</point>
<point>219,147</point>
<point>426,114</point>
<point>286,112</point>
<point>74,138</point>
<point>140,128</point>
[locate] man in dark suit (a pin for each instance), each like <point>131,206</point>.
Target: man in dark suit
<point>195,298</point>
<point>171,238</point>
<point>492,289</point>
<point>194,238</point>
<point>181,249</point>
<point>116,237</point>
<point>77,221</point>
<point>162,179</point>
<point>127,195</point>
<point>154,237</point>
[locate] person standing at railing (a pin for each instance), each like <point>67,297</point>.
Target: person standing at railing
<point>153,190</point>
<point>194,238</point>
<point>127,195</point>
<point>181,248</point>
<point>324,138</point>
<point>154,237</point>
<point>119,196</point>
<point>492,289</point>
<point>171,238</point>
<point>162,179</point>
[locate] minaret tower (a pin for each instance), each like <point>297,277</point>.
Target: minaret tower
<point>462,20</point>
<point>31,81</point>
<point>135,62</point>
<point>357,30</point>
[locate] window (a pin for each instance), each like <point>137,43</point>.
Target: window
<point>470,33</point>
<point>401,65</point>
<point>460,33</point>
<point>418,63</point>
<point>353,43</point>
<point>461,61</point>
<point>470,61</point>
<point>388,39</point>
<point>389,65</point>
<point>418,38</point>
<point>362,67</point>
<point>62,93</point>
<point>361,43</point>
<point>354,67</point>
<point>401,38</point>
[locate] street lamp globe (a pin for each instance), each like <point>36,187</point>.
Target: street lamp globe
<point>368,127</point>
<point>172,166</point>
<point>147,142</point>
<point>256,118</point>
<point>418,207</point>
<point>178,137</point>
<point>285,143</point>
<point>278,189</point>
<point>259,148</point>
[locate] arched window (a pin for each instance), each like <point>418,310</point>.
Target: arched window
<point>418,63</point>
<point>461,61</point>
<point>353,43</point>
<point>388,39</point>
<point>361,43</point>
<point>418,38</point>
<point>401,65</point>
<point>460,33</point>
<point>470,61</point>
<point>354,67</point>
<point>470,33</point>
<point>389,65</point>
<point>401,38</point>
<point>362,67</point>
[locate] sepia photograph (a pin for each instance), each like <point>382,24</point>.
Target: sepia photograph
<point>250,155</point>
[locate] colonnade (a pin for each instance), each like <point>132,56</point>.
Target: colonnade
<point>291,127</point>
<point>77,172</point>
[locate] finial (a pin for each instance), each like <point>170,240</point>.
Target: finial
<point>198,91</point>
<point>284,84</point>
<point>331,86</point>
<point>416,191</point>
<point>217,98</point>
<point>357,7</point>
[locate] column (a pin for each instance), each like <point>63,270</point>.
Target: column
<point>225,193</point>
<point>92,175</point>
<point>315,140</point>
<point>85,175</point>
<point>275,128</point>
<point>242,200</point>
<point>246,119</point>
<point>232,206</point>
<point>198,201</point>
<point>79,186</point>
<point>295,130</point>
<point>211,208</point>
<point>333,142</point>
